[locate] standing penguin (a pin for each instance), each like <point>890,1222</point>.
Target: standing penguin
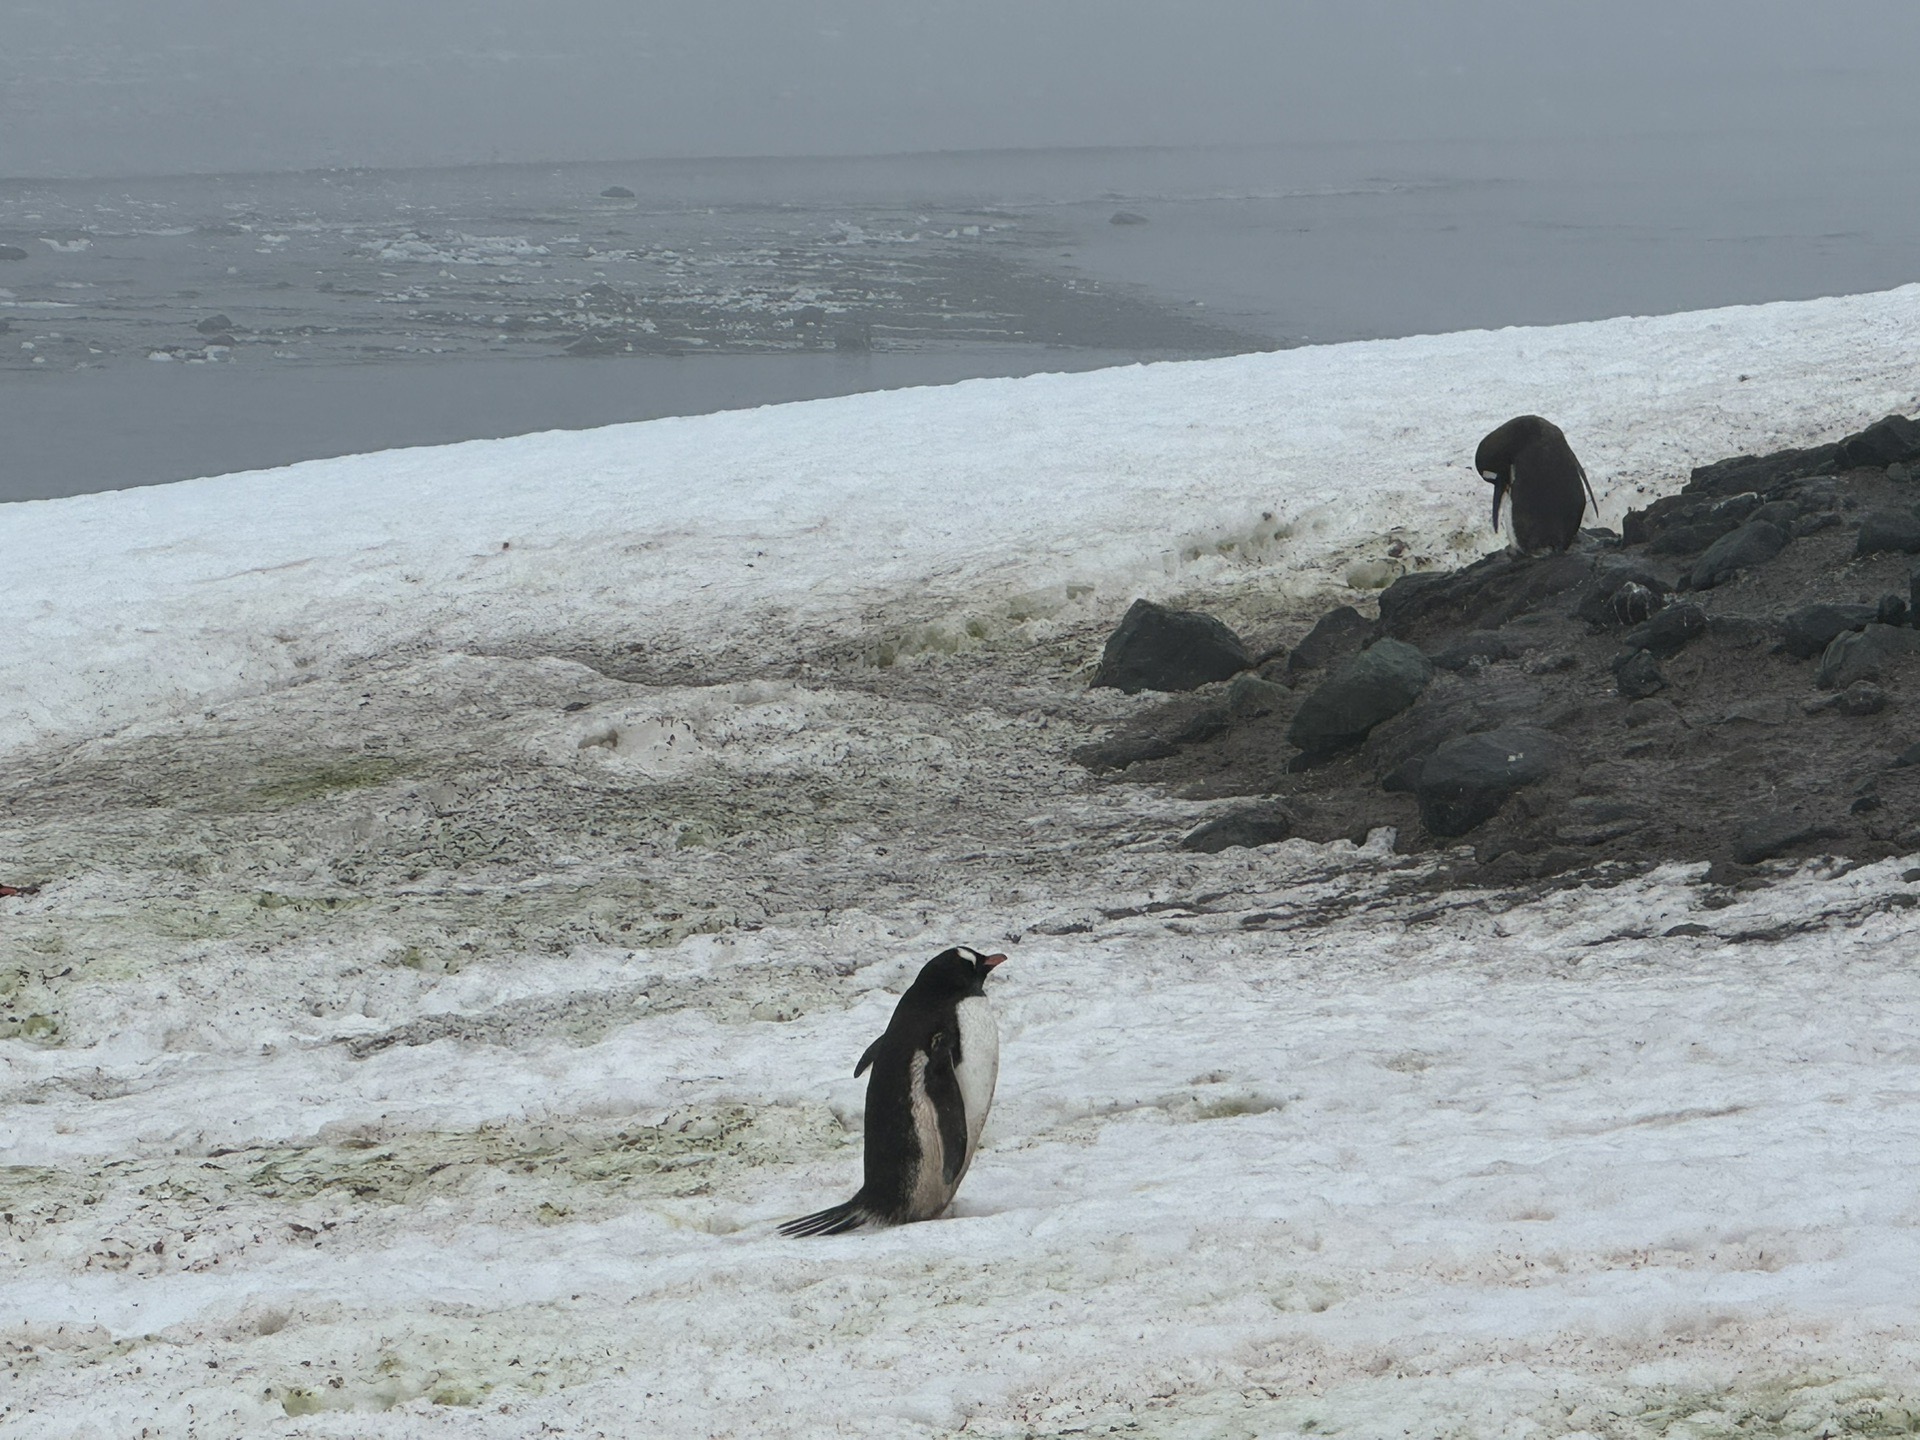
<point>1530,459</point>
<point>933,1074</point>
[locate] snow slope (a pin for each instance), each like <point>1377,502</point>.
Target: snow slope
<point>452,958</point>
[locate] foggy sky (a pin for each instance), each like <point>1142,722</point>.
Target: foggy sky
<point>125,87</point>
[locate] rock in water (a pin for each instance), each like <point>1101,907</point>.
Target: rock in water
<point>1375,685</point>
<point>214,325</point>
<point>1160,649</point>
<point>1255,825</point>
<point>1751,545</point>
<point>616,192</point>
<point>1126,217</point>
<point>12,252</point>
<point>1468,779</point>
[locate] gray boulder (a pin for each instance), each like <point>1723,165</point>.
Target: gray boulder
<point>1375,685</point>
<point>1160,649</point>
<point>1255,825</point>
<point>1468,779</point>
<point>1337,634</point>
<point>1667,631</point>
<point>1637,676</point>
<point>1805,632</point>
<point>1865,654</point>
<point>1752,545</point>
<point>1888,530</point>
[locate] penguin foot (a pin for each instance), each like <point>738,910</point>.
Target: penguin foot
<point>837,1220</point>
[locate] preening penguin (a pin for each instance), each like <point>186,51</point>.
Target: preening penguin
<point>1529,459</point>
<point>927,1099</point>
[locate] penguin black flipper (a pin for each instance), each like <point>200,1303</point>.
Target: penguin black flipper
<point>1499,494</point>
<point>866,1058</point>
<point>949,1106</point>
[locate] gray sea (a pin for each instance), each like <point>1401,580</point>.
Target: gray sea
<point>158,329</point>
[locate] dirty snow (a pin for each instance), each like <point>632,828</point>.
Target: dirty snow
<point>469,875</point>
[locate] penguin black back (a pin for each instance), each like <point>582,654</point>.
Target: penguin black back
<point>933,1073</point>
<point>1529,460</point>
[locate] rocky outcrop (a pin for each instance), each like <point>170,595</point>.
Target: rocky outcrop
<point>1629,700</point>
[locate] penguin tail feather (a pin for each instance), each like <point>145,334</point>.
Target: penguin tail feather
<point>837,1220</point>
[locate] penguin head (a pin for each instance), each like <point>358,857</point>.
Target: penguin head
<point>1494,458</point>
<point>958,972</point>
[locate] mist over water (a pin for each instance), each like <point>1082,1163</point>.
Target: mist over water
<point>170,327</point>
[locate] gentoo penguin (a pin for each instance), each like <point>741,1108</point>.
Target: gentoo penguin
<point>1530,459</point>
<point>932,1081</point>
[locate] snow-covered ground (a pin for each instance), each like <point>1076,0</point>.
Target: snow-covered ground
<point>470,875</point>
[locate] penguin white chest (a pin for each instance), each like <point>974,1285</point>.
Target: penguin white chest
<point>979,1063</point>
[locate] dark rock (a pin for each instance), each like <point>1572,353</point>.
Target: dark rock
<point>1865,805</point>
<point>1885,442</point>
<point>1888,530</point>
<point>1863,697</point>
<point>12,252</point>
<point>1666,633</point>
<point>1468,779</point>
<point>616,192</point>
<point>1483,596</point>
<point>1476,647</point>
<point>1160,649</point>
<point>1770,835</point>
<point>1751,545</point>
<point>1686,929</point>
<point>1761,472</point>
<point>214,325</point>
<point>1336,635</point>
<point>1637,676</point>
<point>1782,514</point>
<point>1741,631</point>
<point>1126,217</point>
<point>1255,825</point>
<point>1404,778</point>
<point>1892,610</point>
<point>1124,751</point>
<point>1865,654</point>
<point>1201,725</point>
<point>1810,629</point>
<point>1250,697</point>
<point>1908,756</point>
<point>1813,524</point>
<point>1375,685</point>
<point>1621,589</point>
<point>1634,604</point>
<point>1688,539</point>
